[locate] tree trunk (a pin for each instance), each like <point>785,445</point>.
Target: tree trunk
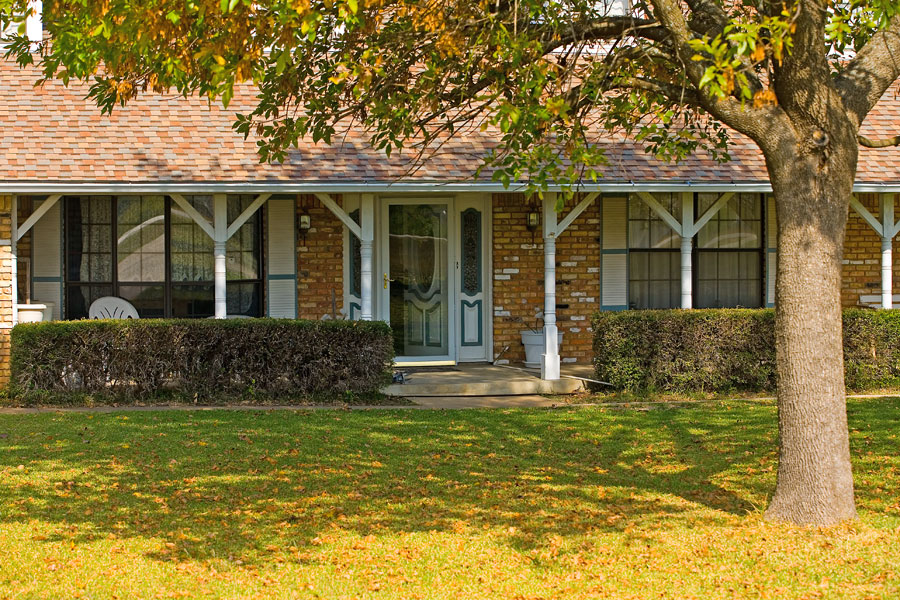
<point>812,190</point>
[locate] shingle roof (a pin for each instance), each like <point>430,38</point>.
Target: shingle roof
<point>52,134</point>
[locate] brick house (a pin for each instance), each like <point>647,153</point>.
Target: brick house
<point>162,204</point>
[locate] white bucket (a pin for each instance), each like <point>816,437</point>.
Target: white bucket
<point>534,346</point>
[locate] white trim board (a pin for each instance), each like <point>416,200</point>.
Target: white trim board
<point>397,187</point>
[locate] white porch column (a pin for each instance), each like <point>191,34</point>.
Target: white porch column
<point>887,284</point>
<point>886,229</point>
<point>687,226</point>
<point>887,254</point>
<point>14,249</point>
<point>550,358</point>
<point>220,228</point>
<point>367,230</point>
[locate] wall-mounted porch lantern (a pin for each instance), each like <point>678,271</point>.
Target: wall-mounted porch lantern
<point>533,221</point>
<point>303,225</point>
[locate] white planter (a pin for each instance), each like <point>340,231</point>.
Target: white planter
<point>31,313</point>
<point>534,346</point>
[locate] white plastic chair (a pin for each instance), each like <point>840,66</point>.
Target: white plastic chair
<point>111,307</point>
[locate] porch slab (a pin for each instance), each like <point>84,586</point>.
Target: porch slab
<point>479,379</point>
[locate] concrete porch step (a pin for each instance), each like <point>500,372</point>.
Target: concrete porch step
<point>480,380</point>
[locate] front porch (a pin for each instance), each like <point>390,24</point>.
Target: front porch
<point>422,262</point>
<point>483,379</point>
<point>460,275</point>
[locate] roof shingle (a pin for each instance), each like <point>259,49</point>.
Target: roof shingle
<point>52,134</point>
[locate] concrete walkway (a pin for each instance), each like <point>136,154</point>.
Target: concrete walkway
<point>424,403</point>
<point>458,402</point>
<point>421,403</point>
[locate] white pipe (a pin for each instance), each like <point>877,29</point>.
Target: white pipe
<point>220,222</point>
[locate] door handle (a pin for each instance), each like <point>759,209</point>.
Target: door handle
<point>387,280</point>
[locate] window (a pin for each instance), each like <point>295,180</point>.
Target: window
<point>141,253</point>
<point>654,263</point>
<point>89,255</point>
<point>161,261</point>
<point>727,255</point>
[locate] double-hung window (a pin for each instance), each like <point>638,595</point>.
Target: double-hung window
<point>727,254</point>
<point>654,263</point>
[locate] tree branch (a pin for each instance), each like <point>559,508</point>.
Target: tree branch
<point>609,28</point>
<point>748,120</point>
<point>802,78</point>
<point>869,75</point>
<point>708,18</point>
<point>674,93</point>
<point>885,143</point>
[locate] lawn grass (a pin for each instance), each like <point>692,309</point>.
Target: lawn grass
<point>569,503</point>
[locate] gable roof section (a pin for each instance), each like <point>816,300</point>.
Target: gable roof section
<point>53,135</point>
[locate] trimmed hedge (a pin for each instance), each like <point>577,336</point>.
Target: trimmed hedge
<point>202,360</point>
<point>729,349</point>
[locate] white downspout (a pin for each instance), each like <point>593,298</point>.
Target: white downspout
<point>550,358</point>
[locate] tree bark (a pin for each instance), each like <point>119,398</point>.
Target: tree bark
<point>812,179</point>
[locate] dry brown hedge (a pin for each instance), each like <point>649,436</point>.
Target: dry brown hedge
<point>198,360</point>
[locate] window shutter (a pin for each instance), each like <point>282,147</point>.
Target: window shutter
<point>282,258</point>
<point>614,254</point>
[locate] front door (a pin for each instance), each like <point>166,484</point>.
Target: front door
<point>416,283</point>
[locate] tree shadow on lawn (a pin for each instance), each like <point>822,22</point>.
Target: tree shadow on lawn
<point>232,484</point>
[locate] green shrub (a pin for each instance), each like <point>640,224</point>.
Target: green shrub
<point>730,349</point>
<point>198,359</point>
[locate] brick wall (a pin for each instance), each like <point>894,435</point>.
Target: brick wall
<point>519,277</point>
<point>6,289</point>
<point>320,259</point>
<point>862,254</point>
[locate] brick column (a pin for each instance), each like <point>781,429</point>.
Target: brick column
<point>6,286</point>
<point>320,260</point>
